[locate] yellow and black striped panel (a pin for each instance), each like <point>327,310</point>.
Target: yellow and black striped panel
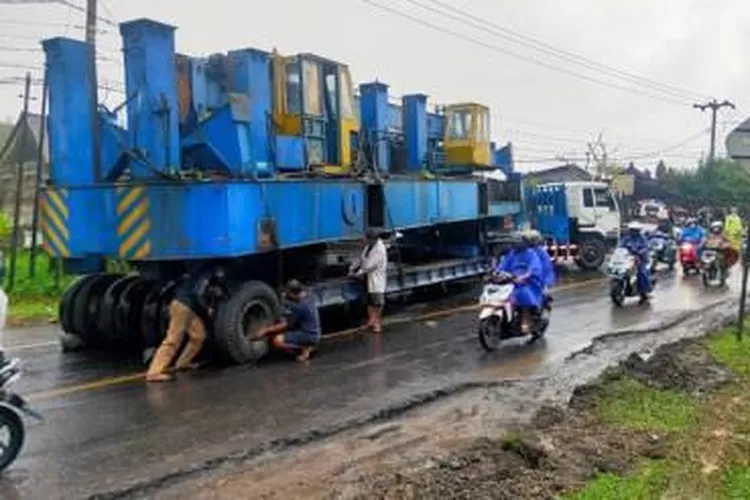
<point>54,222</point>
<point>133,222</point>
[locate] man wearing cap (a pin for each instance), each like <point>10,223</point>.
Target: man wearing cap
<point>299,330</point>
<point>373,263</point>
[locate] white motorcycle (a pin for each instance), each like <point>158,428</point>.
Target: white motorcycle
<point>622,270</point>
<point>500,319</point>
<point>12,406</point>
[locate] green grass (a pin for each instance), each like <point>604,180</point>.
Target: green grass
<point>648,483</point>
<point>631,404</point>
<point>34,299</point>
<point>736,483</point>
<point>735,354</point>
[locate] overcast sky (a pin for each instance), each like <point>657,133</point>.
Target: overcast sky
<point>546,105</point>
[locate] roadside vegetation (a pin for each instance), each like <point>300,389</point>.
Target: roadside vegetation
<point>674,425</point>
<point>35,300</point>
<point>706,432</point>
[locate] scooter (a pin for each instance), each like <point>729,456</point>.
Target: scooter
<point>663,250</point>
<point>713,268</point>
<point>12,406</point>
<point>689,257</point>
<point>500,319</point>
<point>622,270</point>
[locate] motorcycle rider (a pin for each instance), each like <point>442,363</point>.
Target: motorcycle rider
<point>733,229</point>
<point>693,233</point>
<point>523,264</point>
<point>548,268</point>
<point>637,244</point>
<point>718,241</point>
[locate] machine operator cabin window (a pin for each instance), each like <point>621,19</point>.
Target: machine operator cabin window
<point>311,79</point>
<point>346,94</point>
<point>293,89</point>
<point>460,125</point>
<point>484,120</point>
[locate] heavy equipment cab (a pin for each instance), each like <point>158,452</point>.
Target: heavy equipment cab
<point>313,98</point>
<point>467,135</point>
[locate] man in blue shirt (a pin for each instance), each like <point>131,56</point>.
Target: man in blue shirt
<point>299,331</point>
<point>637,244</point>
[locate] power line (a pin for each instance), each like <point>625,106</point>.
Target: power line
<point>521,57</point>
<point>543,47</point>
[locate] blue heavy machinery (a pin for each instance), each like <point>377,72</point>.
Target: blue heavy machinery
<point>265,164</point>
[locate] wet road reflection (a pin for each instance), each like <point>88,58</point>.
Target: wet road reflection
<point>104,439</point>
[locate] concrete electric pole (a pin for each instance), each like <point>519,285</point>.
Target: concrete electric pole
<point>714,106</point>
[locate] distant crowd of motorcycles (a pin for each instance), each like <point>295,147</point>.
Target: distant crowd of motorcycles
<point>705,248</point>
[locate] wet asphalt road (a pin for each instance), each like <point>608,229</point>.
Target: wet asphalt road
<point>103,435</point>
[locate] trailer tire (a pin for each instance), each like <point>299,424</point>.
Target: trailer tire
<point>86,304</point>
<point>591,254</point>
<point>251,305</point>
<point>66,308</point>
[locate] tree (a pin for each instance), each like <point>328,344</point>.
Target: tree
<point>721,184</point>
<point>661,171</point>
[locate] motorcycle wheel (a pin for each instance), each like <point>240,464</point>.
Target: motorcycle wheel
<point>617,292</point>
<point>490,333</point>
<point>671,266</point>
<point>706,279</point>
<point>16,436</point>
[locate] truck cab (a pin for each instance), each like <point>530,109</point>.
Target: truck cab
<point>580,220</point>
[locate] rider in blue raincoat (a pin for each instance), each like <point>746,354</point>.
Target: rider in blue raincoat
<point>637,244</point>
<point>548,268</point>
<point>523,263</point>
<point>692,233</point>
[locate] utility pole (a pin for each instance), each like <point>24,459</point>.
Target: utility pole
<point>714,106</point>
<point>19,183</point>
<point>38,181</point>
<point>91,6</point>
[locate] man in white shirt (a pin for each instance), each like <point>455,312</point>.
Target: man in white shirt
<point>373,263</point>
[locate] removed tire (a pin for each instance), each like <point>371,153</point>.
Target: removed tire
<point>248,308</point>
<point>591,254</point>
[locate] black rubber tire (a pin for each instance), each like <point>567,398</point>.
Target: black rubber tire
<point>155,314</point>
<point>108,309</point>
<point>129,311</point>
<point>10,420</point>
<point>617,292</point>
<point>671,266</point>
<point>705,279</point>
<point>591,254</point>
<point>488,341</point>
<point>85,310</point>
<point>230,335</point>
<point>65,309</point>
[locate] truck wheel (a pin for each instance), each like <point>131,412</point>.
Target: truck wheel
<point>591,254</point>
<point>251,306</point>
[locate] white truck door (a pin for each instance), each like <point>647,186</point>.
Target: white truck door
<point>585,208</point>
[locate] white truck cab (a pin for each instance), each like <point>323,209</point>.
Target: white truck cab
<point>595,207</point>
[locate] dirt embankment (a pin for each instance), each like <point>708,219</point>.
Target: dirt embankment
<point>563,448</point>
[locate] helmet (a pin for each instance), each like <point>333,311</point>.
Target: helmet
<point>716,227</point>
<point>634,227</point>
<point>533,236</point>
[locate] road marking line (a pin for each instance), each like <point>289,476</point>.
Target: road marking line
<point>125,379</point>
<point>22,347</point>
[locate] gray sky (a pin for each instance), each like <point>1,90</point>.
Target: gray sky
<point>694,46</point>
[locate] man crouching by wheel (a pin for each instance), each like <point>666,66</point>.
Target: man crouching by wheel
<point>299,331</point>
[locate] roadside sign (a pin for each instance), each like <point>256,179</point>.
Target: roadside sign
<point>738,144</point>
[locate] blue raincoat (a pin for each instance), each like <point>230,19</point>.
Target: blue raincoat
<point>548,269</point>
<point>695,234</point>
<point>637,244</point>
<point>525,261</point>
